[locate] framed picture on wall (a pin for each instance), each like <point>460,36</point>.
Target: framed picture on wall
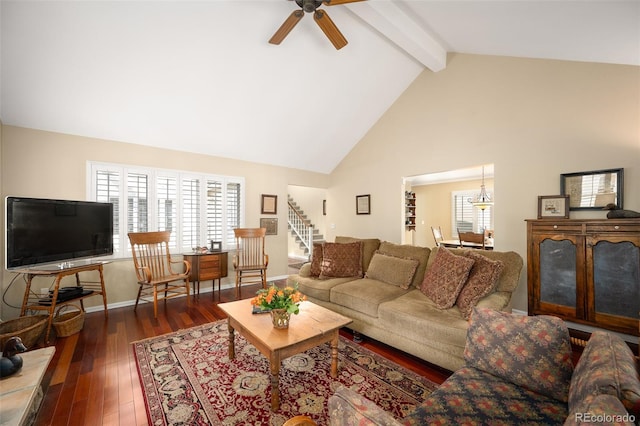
<point>324,207</point>
<point>269,204</point>
<point>553,207</point>
<point>270,224</point>
<point>363,204</point>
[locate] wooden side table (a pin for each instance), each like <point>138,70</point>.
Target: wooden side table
<point>212,265</point>
<point>31,300</point>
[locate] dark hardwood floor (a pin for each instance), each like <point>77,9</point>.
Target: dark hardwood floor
<point>93,377</point>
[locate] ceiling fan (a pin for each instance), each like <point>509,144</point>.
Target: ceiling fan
<point>320,16</point>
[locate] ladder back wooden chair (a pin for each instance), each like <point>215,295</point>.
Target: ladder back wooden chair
<point>477,240</point>
<point>156,276</point>
<point>437,235</point>
<point>250,260</point>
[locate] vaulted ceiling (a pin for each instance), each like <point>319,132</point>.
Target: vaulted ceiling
<point>200,76</point>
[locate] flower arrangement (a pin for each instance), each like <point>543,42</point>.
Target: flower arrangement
<point>275,297</point>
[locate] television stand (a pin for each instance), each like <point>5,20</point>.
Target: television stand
<point>31,300</point>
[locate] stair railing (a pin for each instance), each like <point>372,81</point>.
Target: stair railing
<point>302,227</point>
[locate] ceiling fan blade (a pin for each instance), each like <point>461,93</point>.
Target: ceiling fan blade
<point>335,2</point>
<point>329,29</point>
<point>286,27</point>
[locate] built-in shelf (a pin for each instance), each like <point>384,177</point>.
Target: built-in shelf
<point>410,210</point>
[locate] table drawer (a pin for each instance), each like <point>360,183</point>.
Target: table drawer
<point>210,263</point>
<point>614,227</point>
<point>209,275</point>
<point>554,226</point>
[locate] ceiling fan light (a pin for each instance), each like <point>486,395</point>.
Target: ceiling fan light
<point>309,5</point>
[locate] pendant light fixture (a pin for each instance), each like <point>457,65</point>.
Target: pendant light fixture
<point>482,200</point>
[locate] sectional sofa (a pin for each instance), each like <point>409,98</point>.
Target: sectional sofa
<point>519,370</point>
<point>415,299</point>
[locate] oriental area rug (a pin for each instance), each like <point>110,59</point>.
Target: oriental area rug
<point>188,379</point>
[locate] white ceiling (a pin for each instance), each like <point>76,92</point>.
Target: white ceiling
<point>201,77</point>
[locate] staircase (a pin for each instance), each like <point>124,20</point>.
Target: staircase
<point>301,228</point>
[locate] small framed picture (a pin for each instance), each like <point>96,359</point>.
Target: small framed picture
<point>269,204</point>
<point>324,207</point>
<point>215,246</point>
<point>270,224</point>
<point>363,204</point>
<point>553,207</point>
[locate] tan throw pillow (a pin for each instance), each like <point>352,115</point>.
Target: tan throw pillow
<point>341,260</point>
<point>445,278</point>
<point>316,260</point>
<point>392,270</point>
<point>482,280</point>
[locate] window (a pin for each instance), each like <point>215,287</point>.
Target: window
<point>195,208</point>
<point>467,218</point>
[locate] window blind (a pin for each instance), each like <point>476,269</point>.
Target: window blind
<point>194,208</point>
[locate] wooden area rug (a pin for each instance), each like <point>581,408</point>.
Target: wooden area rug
<point>187,378</point>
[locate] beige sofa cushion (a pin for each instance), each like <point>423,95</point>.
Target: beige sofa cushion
<point>316,288</point>
<point>416,317</point>
<point>421,254</point>
<point>392,270</point>
<point>369,246</point>
<point>364,295</point>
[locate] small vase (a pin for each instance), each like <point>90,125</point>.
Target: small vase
<point>280,318</point>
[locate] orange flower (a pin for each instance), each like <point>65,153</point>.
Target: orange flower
<point>275,297</point>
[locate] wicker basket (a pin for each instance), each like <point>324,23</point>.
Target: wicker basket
<point>29,329</point>
<point>70,322</point>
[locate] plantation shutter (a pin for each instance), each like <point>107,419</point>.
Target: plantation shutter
<point>107,190</point>
<point>137,202</point>
<point>467,218</point>
<point>190,212</point>
<point>214,210</point>
<point>195,208</point>
<point>167,206</point>
<point>233,211</point>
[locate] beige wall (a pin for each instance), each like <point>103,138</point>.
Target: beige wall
<point>533,119</point>
<point>53,165</point>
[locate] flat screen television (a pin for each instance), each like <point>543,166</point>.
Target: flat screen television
<point>43,231</point>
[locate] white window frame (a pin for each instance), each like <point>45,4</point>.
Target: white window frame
<point>123,170</point>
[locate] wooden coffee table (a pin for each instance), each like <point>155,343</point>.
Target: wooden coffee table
<point>313,326</point>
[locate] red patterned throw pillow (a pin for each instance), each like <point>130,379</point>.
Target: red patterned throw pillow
<point>341,260</point>
<point>445,278</point>
<point>316,260</point>
<point>482,280</point>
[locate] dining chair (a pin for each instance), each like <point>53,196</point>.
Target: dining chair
<point>437,235</point>
<point>477,240</point>
<point>250,260</point>
<point>153,264</point>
